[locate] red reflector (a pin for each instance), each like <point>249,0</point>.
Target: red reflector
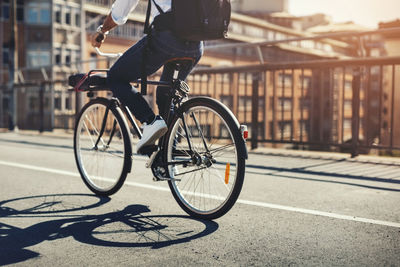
<point>243,130</point>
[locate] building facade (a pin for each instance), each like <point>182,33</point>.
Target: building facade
<point>55,42</point>
<point>260,6</point>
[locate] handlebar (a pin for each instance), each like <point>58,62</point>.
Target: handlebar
<point>111,55</point>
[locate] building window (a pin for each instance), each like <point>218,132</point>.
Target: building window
<point>57,13</point>
<point>5,10</point>
<point>20,10</point>
<point>68,16</point>
<point>306,82</point>
<point>245,103</point>
<point>57,56</point>
<point>68,59</point>
<point>285,79</point>
<point>68,56</point>
<point>38,56</point>
<point>305,103</point>
<point>6,55</point>
<point>78,19</point>
<point>57,59</point>
<point>67,103</point>
<point>285,104</point>
<point>38,13</point>
<point>304,127</point>
<point>57,102</point>
<point>286,128</point>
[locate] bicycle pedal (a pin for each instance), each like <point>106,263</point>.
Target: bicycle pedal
<point>148,150</point>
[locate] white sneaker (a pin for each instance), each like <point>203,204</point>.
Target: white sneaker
<point>151,133</point>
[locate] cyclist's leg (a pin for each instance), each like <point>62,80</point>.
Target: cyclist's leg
<point>129,68</point>
<point>162,96</point>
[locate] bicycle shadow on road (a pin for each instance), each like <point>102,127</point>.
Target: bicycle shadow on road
<point>130,227</point>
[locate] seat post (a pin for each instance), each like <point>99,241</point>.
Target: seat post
<point>177,68</point>
<point>178,62</point>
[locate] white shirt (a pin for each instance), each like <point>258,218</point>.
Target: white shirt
<point>121,9</point>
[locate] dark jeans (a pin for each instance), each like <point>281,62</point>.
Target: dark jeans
<point>163,47</point>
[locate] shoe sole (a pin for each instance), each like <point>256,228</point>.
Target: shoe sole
<point>153,138</point>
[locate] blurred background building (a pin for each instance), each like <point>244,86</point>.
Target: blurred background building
<point>53,41</point>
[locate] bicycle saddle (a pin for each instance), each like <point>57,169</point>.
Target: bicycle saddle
<point>180,61</point>
<point>85,82</point>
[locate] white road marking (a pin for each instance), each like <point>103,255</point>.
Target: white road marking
<point>241,201</point>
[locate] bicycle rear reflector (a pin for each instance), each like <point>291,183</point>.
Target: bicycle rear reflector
<point>227,170</point>
<point>243,130</point>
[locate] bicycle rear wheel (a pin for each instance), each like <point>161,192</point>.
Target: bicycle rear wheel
<point>208,170</point>
<point>102,147</point>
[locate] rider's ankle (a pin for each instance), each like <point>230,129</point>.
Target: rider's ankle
<point>150,119</point>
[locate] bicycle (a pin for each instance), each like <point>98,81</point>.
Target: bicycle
<point>204,171</point>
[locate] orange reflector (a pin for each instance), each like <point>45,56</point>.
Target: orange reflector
<point>227,170</point>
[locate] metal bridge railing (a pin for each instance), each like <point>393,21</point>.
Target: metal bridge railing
<point>344,105</point>
<point>341,105</point>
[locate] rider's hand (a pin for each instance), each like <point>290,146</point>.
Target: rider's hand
<point>97,39</point>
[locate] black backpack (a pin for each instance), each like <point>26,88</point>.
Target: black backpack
<point>193,20</point>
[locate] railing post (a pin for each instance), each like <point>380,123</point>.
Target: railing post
<point>1,109</point>
<point>78,103</point>
<point>51,100</point>
<point>355,129</point>
<point>254,110</point>
<point>41,107</point>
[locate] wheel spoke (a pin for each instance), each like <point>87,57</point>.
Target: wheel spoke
<point>221,148</point>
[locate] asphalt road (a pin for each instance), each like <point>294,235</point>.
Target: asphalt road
<point>294,209</point>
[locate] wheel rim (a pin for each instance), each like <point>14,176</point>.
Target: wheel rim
<point>203,189</point>
<point>101,168</point>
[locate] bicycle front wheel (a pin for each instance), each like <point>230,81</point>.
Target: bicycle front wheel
<point>205,153</point>
<point>102,147</point>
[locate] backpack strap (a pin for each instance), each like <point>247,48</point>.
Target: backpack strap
<point>147,26</point>
<point>147,30</point>
<point>158,7</point>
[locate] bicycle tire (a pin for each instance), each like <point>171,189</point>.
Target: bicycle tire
<point>115,148</point>
<point>210,203</point>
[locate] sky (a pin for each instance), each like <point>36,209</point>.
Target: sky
<point>364,12</point>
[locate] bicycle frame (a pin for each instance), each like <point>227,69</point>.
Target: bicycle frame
<point>135,126</point>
